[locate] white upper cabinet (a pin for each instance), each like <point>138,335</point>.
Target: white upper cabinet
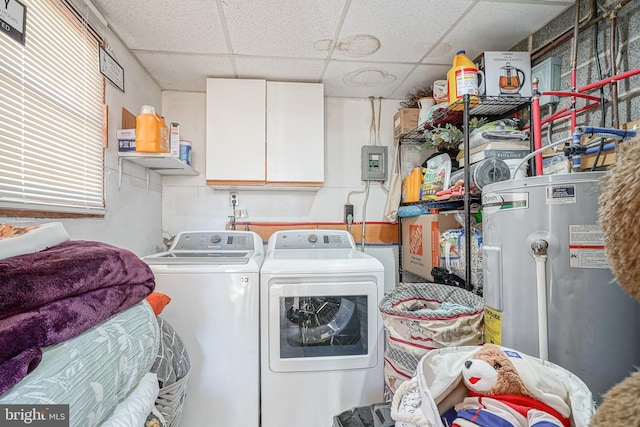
<point>265,134</point>
<point>295,133</point>
<point>235,130</point>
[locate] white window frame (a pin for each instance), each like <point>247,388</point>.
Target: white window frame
<point>52,117</point>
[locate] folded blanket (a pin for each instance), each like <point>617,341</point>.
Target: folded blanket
<point>53,295</point>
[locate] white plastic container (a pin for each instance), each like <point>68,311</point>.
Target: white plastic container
<point>185,151</point>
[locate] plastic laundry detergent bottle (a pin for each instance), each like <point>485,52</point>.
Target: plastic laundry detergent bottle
<point>462,79</point>
<point>152,133</point>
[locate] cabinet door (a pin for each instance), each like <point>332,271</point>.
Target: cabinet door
<point>235,132</point>
<point>295,134</point>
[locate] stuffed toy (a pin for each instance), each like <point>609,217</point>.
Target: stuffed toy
<point>502,392</point>
<point>619,207</point>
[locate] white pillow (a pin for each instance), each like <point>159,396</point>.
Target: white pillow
<point>18,240</point>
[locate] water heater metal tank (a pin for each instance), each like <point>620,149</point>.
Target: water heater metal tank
<point>592,324</point>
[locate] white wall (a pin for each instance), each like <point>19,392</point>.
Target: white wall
<point>189,204</point>
<point>133,218</point>
<point>137,218</point>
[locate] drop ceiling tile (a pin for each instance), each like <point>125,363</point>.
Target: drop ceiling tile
<point>422,76</point>
<point>166,25</point>
<point>279,69</point>
<point>500,25</point>
<point>284,28</point>
<point>363,79</point>
<point>171,39</point>
<point>404,33</point>
<point>185,72</point>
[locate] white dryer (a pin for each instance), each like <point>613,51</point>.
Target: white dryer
<point>321,330</point>
<point>212,278</point>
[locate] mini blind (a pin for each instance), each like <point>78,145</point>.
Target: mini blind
<point>51,115</point>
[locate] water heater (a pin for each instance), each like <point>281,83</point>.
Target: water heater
<point>563,301</point>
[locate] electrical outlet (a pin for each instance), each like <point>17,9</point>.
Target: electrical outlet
<point>234,200</point>
<point>348,210</point>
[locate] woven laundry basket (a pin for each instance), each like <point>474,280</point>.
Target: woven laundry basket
<point>170,401</point>
<point>419,317</point>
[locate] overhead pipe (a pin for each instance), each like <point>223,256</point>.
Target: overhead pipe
<point>537,135</point>
<point>558,41</point>
<point>604,82</point>
<point>574,65</point>
<point>587,22</point>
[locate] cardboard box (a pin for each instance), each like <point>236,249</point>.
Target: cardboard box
<point>174,139</point>
<point>505,74</point>
<point>404,121</point>
<point>421,242</point>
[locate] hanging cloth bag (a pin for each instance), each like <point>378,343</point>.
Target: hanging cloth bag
<point>395,189</point>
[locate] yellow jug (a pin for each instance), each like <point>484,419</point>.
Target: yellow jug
<point>462,79</point>
<point>412,186</point>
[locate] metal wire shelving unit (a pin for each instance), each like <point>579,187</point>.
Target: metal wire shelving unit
<point>459,113</point>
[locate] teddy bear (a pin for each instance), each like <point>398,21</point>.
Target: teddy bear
<point>618,218</point>
<point>502,392</point>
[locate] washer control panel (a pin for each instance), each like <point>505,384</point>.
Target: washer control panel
<point>314,239</point>
<point>208,240</point>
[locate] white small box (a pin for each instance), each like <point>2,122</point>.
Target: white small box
<point>126,134</point>
<point>174,139</point>
<point>506,74</point>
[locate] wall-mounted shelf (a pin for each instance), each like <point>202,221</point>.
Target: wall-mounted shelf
<point>162,163</point>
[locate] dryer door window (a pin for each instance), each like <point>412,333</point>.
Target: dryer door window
<point>316,326</point>
<point>319,325</point>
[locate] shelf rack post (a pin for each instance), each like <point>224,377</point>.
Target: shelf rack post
<point>467,194</point>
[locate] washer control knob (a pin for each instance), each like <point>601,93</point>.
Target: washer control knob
<point>215,238</point>
<point>313,238</point>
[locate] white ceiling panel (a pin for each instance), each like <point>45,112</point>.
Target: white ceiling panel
<point>281,69</point>
<point>185,72</point>
<point>499,25</point>
<point>422,76</point>
<point>362,79</point>
<point>283,28</point>
<point>358,48</point>
<point>166,25</point>
<point>406,30</point>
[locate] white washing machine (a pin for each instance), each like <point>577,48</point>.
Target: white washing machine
<point>212,278</point>
<point>322,334</point>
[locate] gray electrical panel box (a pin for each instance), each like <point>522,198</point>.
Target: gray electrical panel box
<point>374,163</point>
<point>548,74</point>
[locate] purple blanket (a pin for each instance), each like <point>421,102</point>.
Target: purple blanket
<point>50,296</point>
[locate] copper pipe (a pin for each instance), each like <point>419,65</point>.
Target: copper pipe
<point>574,65</point>
<point>561,39</point>
<point>558,41</point>
<point>615,120</point>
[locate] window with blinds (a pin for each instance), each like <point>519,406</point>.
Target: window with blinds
<point>51,117</point>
